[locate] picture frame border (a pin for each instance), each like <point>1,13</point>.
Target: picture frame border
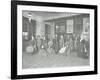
<point>14,39</point>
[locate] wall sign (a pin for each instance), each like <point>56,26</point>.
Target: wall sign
<point>70,26</point>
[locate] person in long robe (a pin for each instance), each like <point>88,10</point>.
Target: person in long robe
<point>39,42</point>
<point>56,44</point>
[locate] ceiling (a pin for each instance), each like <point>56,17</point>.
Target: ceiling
<point>50,15</point>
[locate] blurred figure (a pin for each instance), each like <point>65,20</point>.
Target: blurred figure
<point>39,42</point>
<point>45,43</point>
<point>77,41</point>
<point>67,44</point>
<point>84,45</point>
<point>50,43</point>
<point>61,41</point>
<point>31,48</point>
<point>62,45</point>
<point>42,51</point>
<point>74,41</point>
<point>70,45</point>
<point>56,44</point>
<point>50,49</point>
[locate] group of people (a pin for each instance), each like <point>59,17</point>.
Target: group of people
<point>58,44</point>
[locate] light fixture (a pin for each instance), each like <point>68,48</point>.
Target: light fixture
<point>30,16</point>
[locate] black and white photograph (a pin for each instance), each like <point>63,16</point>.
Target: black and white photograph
<point>51,39</point>
<point>55,39</point>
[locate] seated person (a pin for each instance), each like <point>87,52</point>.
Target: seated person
<point>50,49</point>
<point>31,48</point>
<point>45,44</point>
<point>42,51</point>
<point>61,41</point>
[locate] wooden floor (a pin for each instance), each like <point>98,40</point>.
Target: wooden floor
<point>52,60</point>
